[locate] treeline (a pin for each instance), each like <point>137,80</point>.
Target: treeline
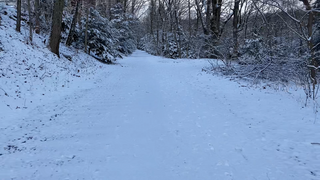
<point>269,39</point>
<point>105,29</point>
<point>196,28</point>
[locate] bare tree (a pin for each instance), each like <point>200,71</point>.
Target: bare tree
<point>305,32</point>
<point>200,17</point>
<point>314,64</point>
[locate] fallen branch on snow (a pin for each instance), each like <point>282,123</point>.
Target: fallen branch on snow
<point>5,93</point>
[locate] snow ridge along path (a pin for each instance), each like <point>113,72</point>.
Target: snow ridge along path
<point>152,118</point>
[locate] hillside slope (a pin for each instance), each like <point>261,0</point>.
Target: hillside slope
<point>30,73</point>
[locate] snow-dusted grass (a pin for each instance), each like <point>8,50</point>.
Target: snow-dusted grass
<point>149,119</point>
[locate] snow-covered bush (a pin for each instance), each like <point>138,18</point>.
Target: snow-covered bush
<point>107,40</point>
<point>127,26</point>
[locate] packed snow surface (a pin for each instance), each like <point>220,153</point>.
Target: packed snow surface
<point>151,118</point>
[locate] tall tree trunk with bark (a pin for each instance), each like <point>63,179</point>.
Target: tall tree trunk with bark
<point>208,15</point>
<point>86,32</point>
<point>199,17</point>
<point>124,6</point>
<point>215,20</point>
<point>18,25</point>
<point>189,27</point>
<point>158,28</point>
<point>235,28</point>
<point>73,25</point>
<point>152,16</point>
<point>133,4</point>
<point>37,13</point>
<point>55,35</point>
<point>109,8</point>
<point>30,21</point>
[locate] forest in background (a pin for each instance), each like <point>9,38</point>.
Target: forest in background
<point>255,39</point>
<point>269,40</point>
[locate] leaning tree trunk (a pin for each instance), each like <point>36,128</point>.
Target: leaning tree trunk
<point>73,25</point>
<point>55,35</point>
<point>18,25</point>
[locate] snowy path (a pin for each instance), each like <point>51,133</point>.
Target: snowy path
<point>161,119</point>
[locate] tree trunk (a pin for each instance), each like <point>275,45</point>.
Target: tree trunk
<point>109,8</point>
<point>151,17</point>
<point>235,28</point>
<point>208,14</point>
<point>313,71</point>
<point>158,28</point>
<point>73,25</point>
<point>37,13</point>
<point>80,14</point>
<point>86,32</point>
<point>133,4</point>
<point>215,21</point>
<point>177,31</point>
<point>205,31</point>
<point>30,21</point>
<point>55,35</point>
<point>189,27</point>
<point>18,24</point>
<point>124,6</point>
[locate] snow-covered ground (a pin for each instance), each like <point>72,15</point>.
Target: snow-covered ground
<point>146,118</point>
<point>155,118</point>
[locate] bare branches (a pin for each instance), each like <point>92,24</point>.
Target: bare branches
<point>277,5</point>
<point>292,29</point>
<point>258,9</point>
<point>260,71</point>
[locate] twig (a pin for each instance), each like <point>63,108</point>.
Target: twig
<point>5,93</point>
<point>262,70</point>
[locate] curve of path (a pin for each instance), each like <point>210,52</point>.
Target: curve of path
<point>152,118</point>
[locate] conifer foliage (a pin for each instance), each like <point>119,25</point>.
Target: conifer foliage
<point>105,33</point>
